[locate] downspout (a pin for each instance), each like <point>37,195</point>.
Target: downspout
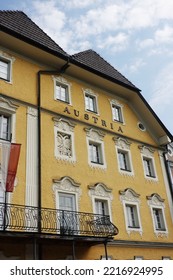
<point>43,72</point>
<point>168,172</point>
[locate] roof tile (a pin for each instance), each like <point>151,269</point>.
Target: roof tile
<point>93,60</point>
<point>21,24</point>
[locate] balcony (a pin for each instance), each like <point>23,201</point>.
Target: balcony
<point>53,222</point>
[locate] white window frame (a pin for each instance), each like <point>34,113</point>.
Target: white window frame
<point>149,172</point>
<point>8,63</point>
<point>126,159</point>
<point>137,225</point>
<point>66,185</point>
<point>62,82</point>
<point>156,202</point>
<point>100,192</point>
<point>130,197</point>
<point>98,153</point>
<point>147,153</point>
<point>65,127</point>
<point>119,108</point>
<point>94,97</point>
<point>8,128</point>
<point>95,137</point>
<point>162,226</point>
<point>123,145</point>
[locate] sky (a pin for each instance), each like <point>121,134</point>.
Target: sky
<point>134,36</point>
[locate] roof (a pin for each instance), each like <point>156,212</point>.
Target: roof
<point>94,61</point>
<point>19,24</point>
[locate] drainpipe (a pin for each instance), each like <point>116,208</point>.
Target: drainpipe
<point>168,172</point>
<point>40,73</point>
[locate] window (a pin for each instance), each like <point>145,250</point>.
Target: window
<point>117,113</point>
<point>64,139</point>
<point>95,147</point>
<point>90,103</point>
<point>123,155</point>
<point>132,216</point>
<point>131,202</point>
<point>148,167</point>
<point>101,207</point>
<point>157,206</point>
<point>95,153</point>
<point>147,155</point>
<point>5,69</point>
<point>67,195</point>
<point>62,89</point>
<point>158,219</point>
<point>5,127</point>
<point>123,159</point>
<point>62,92</point>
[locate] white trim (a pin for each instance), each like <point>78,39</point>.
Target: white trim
<point>31,198</point>
<point>124,146</point>
<point>10,61</point>
<point>101,192</point>
<point>90,92</point>
<point>66,185</point>
<point>66,127</point>
<point>96,137</point>
<point>130,197</point>
<point>156,202</point>
<point>115,103</point>
<point>148,153</point>
<point>63,81</point>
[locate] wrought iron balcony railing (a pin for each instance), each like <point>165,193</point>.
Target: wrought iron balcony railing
<point>53,221</point>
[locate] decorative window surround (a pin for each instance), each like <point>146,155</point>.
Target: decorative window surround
<point>123,147</point>
<point>66,87</point>
<point>100,192</point>
<point>91,101</point>
<point>66,185</point>
<point>8,60</point>
<point>117,111</point>
<point>129,197</point>
<point>64,139</point>
<point>147,154</point>
<point>155,202</point>
<point>95,139</point>
<point>9,108</point>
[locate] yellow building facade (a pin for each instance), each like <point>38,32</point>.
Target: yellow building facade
<point>91,181</point>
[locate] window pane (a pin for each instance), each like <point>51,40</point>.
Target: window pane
<point>90,103</point>
<point>148,166</point>
<point>117,113</point>
<point>4,127</point>
<point>4,70</point>
<point>158,219</point>
<point>62,92</point>
<point>101,207</point>
<point>132,216</point>
<point>95,153</point>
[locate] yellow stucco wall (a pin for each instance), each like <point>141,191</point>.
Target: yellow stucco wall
<point>52,168</point>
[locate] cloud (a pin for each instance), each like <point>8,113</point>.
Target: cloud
<point>114,43</point>
<point>161,96</point>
